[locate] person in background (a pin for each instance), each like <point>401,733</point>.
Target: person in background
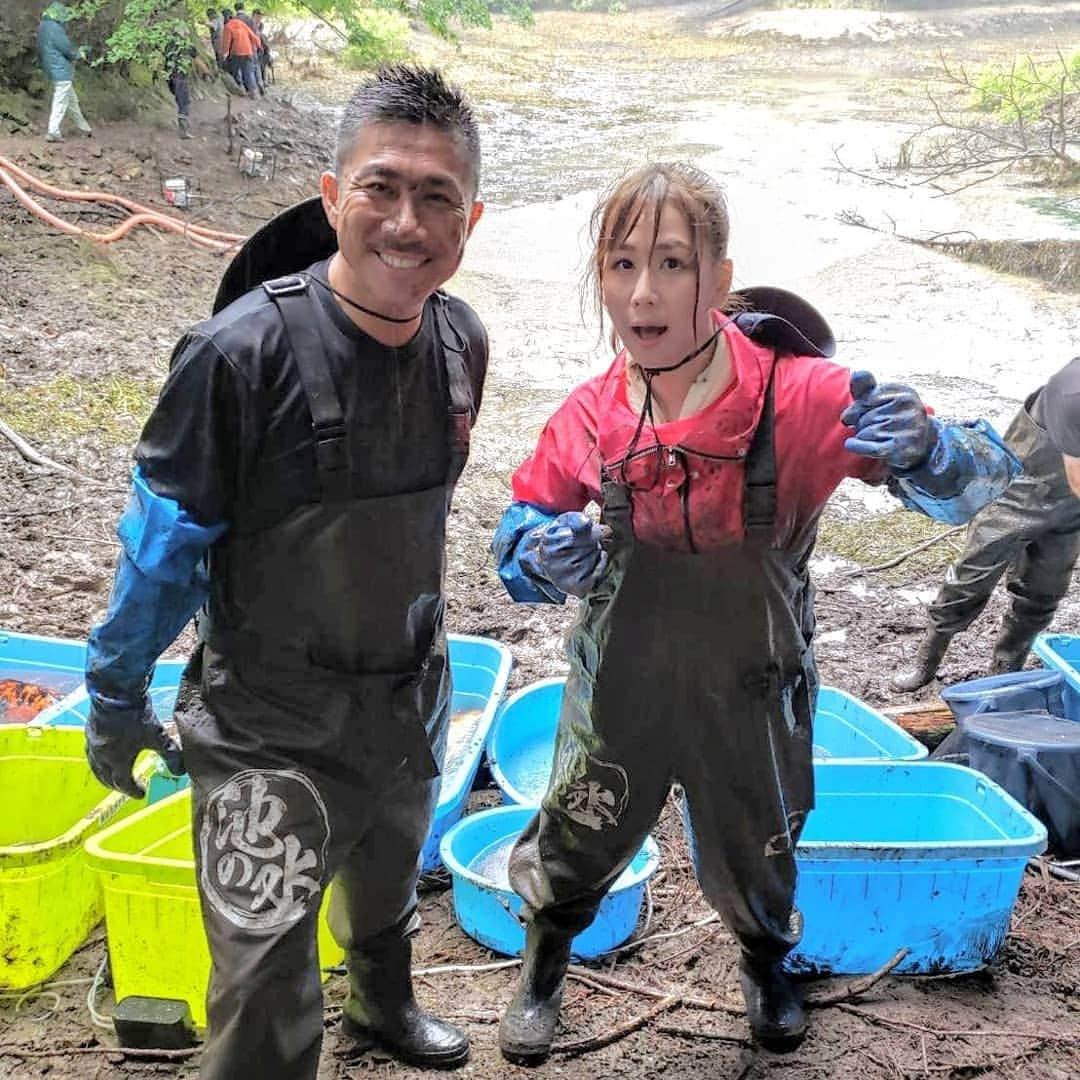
<point>216,25</point>
<point>58,55</point>
<point>240,46</point>
<point>1061,411</point>
<point>249,22</point>
<point>181,58</point>
<point>266,61</point>
<point>294,482</point>
<point>1031,535</point>
<point>711,445</point>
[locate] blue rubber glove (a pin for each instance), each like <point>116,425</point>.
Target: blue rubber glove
<point>567,552</point>
<point>513,539</point>
<point>890,423</point>
<point>115,736</point>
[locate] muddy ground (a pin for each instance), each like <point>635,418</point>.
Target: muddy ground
<point>85,336</point>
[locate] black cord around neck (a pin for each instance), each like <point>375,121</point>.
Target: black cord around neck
<point>360,307</point>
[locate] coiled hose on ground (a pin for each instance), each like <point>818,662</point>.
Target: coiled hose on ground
<point>14,178</point>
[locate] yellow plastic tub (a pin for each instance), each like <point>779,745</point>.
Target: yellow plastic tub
<point>50,897</point>
<point>157,944</point>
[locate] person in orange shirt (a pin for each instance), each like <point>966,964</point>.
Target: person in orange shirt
<point>239,47</point>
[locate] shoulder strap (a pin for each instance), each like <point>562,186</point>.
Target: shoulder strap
<point>290,296</point>
<point>456,355</point>
<point>759,495</point>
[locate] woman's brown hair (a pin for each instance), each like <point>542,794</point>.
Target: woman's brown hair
<point>696,194</point>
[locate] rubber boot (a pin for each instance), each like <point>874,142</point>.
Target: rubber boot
<point>382,1011</point>
<point>527,1029</point>
<point>182,124</point>
<point>924,666</point>
<point>773,1005</point>
<point>1012,648</point>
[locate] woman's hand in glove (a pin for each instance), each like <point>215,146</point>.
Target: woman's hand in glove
<point>567,552</point>
<point>890,422</point>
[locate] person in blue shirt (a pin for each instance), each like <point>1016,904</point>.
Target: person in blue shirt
<point>58,55</point>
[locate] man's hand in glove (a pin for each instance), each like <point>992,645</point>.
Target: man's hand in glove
<point>568,553</point>
<point>890,422</point>
<point>116,735</point>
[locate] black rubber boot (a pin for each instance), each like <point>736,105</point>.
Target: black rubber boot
<point>527,1029</point>
<point>773,1005</point>
<point>1012,648</point>
<point>924,666</point>
<point>382,1011</point>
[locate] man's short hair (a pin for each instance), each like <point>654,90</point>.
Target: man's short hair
<point>404,94</point>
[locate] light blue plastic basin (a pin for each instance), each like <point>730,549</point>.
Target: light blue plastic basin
<point>54,664</point>
<point>475,852</point>
<point>1061,652</point>
<point>522,742</point>
<point>926,856</point>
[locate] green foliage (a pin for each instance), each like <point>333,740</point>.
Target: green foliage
<point>1027,88</point>
<point>376,37</point>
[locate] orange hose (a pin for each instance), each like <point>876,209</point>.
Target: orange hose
<point>116,234</point>
<point>213,239</point>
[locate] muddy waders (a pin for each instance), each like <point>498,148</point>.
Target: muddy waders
<point>691,668</point>
<point>313,717</point>
<point>1031,535</point>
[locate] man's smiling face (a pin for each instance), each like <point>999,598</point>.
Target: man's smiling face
<point>402,206</point>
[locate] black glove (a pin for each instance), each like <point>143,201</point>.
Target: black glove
<point>114,739</point>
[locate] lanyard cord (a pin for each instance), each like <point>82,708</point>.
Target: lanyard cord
<point>648,374</point>
<point>360,307</point>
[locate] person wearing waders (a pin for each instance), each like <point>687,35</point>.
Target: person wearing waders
<point>711,445</point>
<point>1061,411</point>
<point>1031,535</point>
<point>294,480</point>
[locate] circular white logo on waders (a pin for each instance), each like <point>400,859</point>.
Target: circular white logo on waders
<point>263,848</point>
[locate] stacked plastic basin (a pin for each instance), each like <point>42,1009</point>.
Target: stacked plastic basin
<point>50,804</point>
<point>1020,730</point>
<point>147,863</point>
<point>1061,652</point>
<point>899,853</point>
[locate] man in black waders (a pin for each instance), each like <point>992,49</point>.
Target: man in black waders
<point>1031,536</point>
<point>294,481</point>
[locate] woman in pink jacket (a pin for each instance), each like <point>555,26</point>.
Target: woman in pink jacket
<point>711,445</point>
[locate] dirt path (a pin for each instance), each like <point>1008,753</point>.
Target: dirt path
<point>85,336</point>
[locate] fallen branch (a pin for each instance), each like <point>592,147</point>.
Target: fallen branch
<point>955,1033</point>
<point>36,458</point>
<point>851,989</point>
<point>14,1050</point>
<point>713,1036</point>
<point>599,981</point>
<point>908,553</point>
<point>620,1031</point>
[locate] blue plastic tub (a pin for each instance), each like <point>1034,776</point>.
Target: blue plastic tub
<point>1013,692</point>
<point>1061,652</point>
<point>480,669</point>
<point>847,728</point>
<point>476,851</point>
<point>923,855</point>
<point>522,741</point>
<point>53,664</point>
<point>73,711</point>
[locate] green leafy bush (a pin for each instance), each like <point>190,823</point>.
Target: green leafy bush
<point>1027,88</point>
<point>376,37</point>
